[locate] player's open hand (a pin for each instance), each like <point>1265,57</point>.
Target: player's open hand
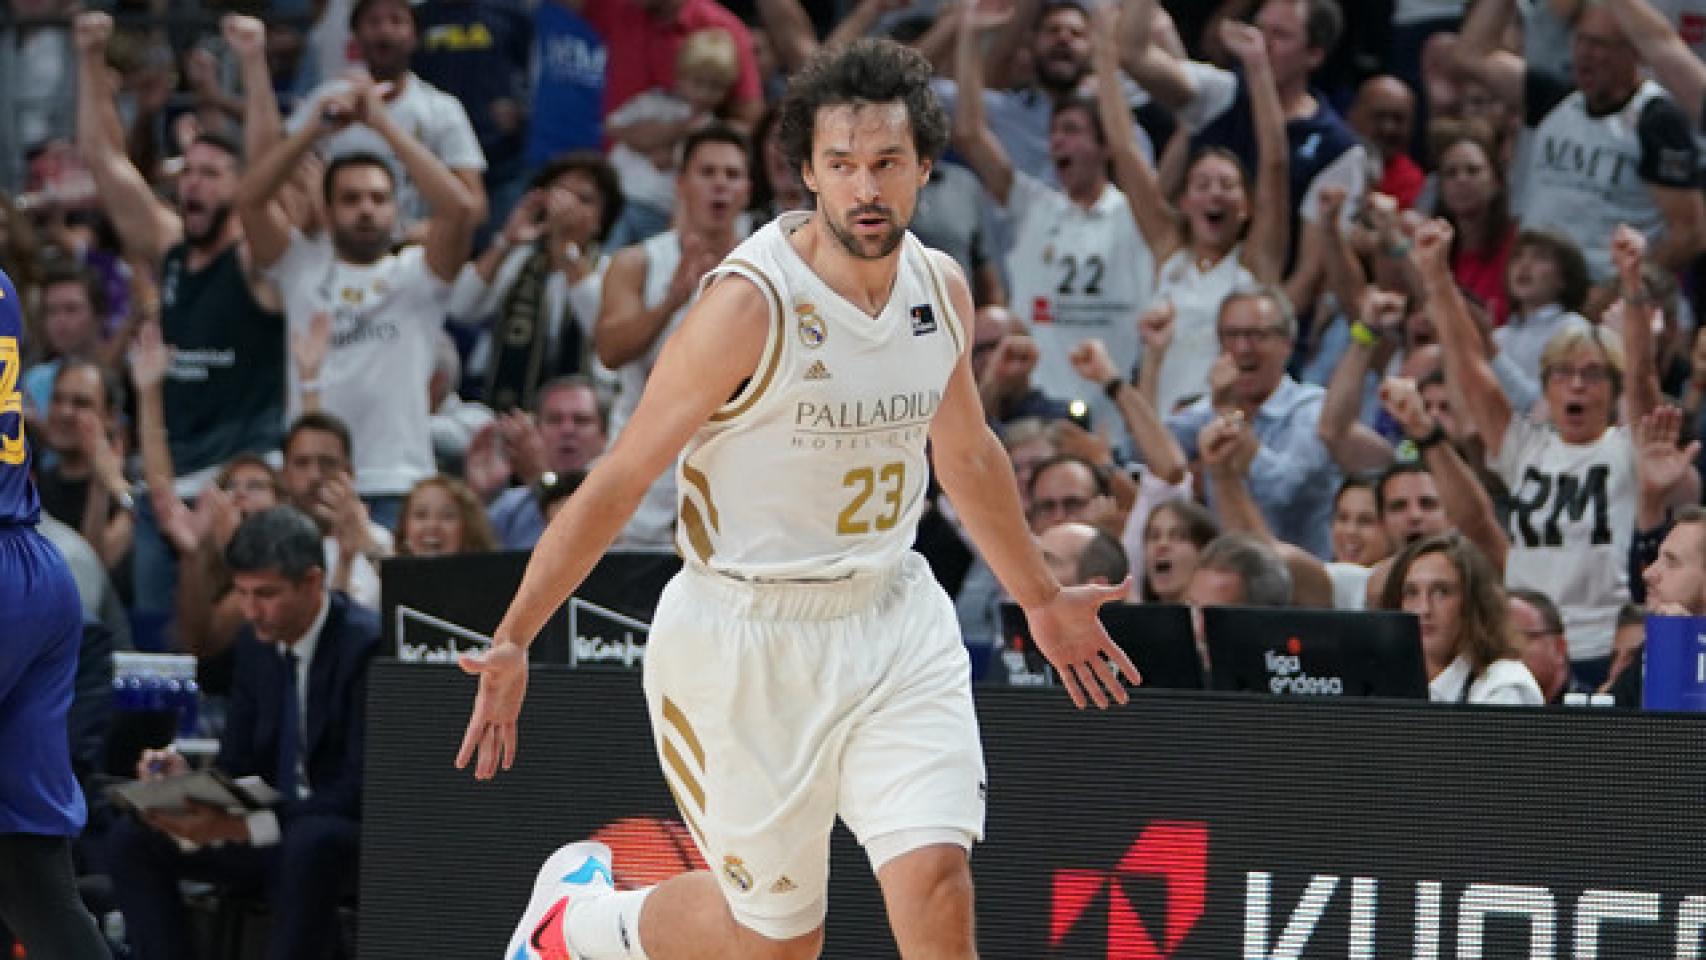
<point>1069,634</point>
<point>491,736</point>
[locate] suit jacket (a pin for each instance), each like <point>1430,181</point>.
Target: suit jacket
<point>335,718</point>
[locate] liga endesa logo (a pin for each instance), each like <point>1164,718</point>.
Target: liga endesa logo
<point>1173,851</point>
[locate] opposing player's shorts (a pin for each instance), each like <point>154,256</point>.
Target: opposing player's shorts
<point>40,631</point>
<point>778,706</point>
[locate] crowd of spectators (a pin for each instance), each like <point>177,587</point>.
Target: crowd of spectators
<point>1375,305</point>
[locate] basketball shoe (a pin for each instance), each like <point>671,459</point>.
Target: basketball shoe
<point>574,874</point>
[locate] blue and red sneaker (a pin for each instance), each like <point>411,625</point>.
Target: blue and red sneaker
<point>574,874</point>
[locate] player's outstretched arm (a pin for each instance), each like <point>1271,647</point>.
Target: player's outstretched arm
<point>974,471</point>
<point>704,363</point>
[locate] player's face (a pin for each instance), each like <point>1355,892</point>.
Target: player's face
<point>866,172</point>
<point>1358,536</point>
<point>432,523</point>
<point>1579,394</point>
<point>570,426</point>
<point>1215,202</point>
<point>1679,574</point>
<point>1433,591</point>
<point>1060,52</point>
<point>1413,509</point>
<point>1169,556</point>
<point>280,609</point>
<point>363,213</point>
<point>206,189</point>
<point>714,186</point>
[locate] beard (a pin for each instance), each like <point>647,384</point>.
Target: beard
<point>867,248</point>
<point>1061,76</point>
<point>208,234</point>
<point>360,245</point>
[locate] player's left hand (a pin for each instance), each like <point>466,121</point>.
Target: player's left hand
<point>1069,634</point>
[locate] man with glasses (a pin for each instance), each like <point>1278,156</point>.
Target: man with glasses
<point>1066,489</point>
<point>1292,477</point>
<point>1545,649</point>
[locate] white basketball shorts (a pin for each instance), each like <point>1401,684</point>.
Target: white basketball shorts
<point>778,706</point>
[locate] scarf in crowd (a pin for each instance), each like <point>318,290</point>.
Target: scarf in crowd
<point>522,358</point>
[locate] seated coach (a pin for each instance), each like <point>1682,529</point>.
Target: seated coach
<point>296,720</point>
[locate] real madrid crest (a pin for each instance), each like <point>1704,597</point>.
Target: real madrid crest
<point>736,873</point>
<point>813,331</point>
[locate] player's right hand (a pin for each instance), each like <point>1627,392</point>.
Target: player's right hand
<point>491,736</point>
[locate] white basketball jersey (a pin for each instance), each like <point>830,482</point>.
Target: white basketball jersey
<point>816,469</point>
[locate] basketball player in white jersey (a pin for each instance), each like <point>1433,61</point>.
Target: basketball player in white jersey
<point>804,664</point>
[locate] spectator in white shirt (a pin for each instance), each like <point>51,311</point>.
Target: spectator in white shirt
<point>384,32</point>
<point>1469,649</point>
<point>385,308</point>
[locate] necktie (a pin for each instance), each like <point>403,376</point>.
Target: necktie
<point>289,730</point>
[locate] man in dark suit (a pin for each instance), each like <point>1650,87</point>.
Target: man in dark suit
<point>296,720</point>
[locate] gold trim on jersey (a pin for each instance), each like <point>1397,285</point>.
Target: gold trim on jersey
<point>947,305</point>
<point>696,533</point>
<point>701,483</point>
<point>774,358</point>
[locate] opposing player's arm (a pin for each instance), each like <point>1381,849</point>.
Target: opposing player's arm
<point>974,471</point>
<point>702,365</point>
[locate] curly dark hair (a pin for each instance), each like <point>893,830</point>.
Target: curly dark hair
<point>864,71</point>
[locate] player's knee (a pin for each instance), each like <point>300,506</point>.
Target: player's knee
<point>760,947</point>
<point>930,900</point>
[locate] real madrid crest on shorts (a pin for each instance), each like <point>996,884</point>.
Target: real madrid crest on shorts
<point>735,872</point>
<point>813,331</point>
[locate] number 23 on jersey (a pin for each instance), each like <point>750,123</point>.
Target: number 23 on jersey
<point>11,403</point>
<point>887,484</point>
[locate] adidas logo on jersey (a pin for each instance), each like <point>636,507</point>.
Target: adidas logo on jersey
<point>783,885</point>
<point>817,371</point>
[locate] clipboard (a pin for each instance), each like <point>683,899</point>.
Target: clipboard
<point>211,786</point>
